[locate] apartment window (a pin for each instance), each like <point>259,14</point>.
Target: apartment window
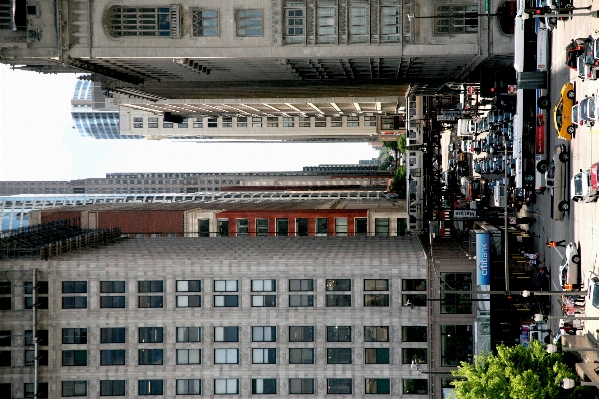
<point>74,302</point>
<point>413,386</point>
<point>295,22</point>
<point>5,291</point>
<point>150,286</point>
<point>151,301</point>
<point>376,333</point>
<point>381,227</point>
<point>326,20</point>
<point>153,125</point>
<point>264,285</point>
<point>264,334</point>
<point>226,386</point>
<point>456,344</point>
<point>150,387</point>
<point>338,284</point>
<point>226,301</point>
<point>338,334</point>
<point>264,386</point>
<point>264,355</point>
<point>167,125</point>
<point>248,22</point>
<point>301,356</point>
<point>339,355</point>
<point>5,338</point>
<point>301,227</point>
<point>339,385</point>
<point>140,21</point>
<point>410,355</point>
<point>189,301</point>
<point>456,303</point>
<point>301,385</point>
<point>74,287</point>
<point>376,285</point>
<point>222,226</point>
<point>301,334</point>
<point>112,387</point>
<point>203,227</point>
<point>361,228</point>
<point>225,286</point>
<point>390,22</point>
<point>242,121</point>
<point>150,335</point>
<point>268,301</point>
<point>320,121</point>
<point>322,227</point>
<point>74,358</point>
<point>381,386</point>
<point>288,121</point>
<point>189,356</point>
<point>42,359</point>
<point>413,284</point>
<point>204,22</point>
<point>114,335</point>
<point>338,300</point>
<point>112,301</point>
<point>42,390</point>
<point>189,387</point>
<point>212,122</point>
<point>112,357</point>
<point>74,335</point>
<point>189,285</point>
<point>243,227</point>
<point>257,121</point>
<point>189,334</point>
<point>5,358</point>
<point>198,123</point>
<point>227,122</point>
<point>42,337</point>
<point>376,299</point>
<point>282,227</point>
<point>414,334</point>
<point>74,388</point>
<point>301,285</point>
<point>341,227</point>
<point>413,300</point>
<point>353,121</point>
<point>262,227</point>
<point>226,356</point>
<point>450,19</point>
<point>336,121</point>
<point>305,300</point>
<point>151,357</point>
<point>304,121</point>
<point>226,334</point>
<point>376,356</point>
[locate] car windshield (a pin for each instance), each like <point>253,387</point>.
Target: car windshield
<point>595,299</point>
<point>591,109</point>
<point>558,115</point>
<point>584,106</point>
<point>578,185</point>
<point>575,114</point>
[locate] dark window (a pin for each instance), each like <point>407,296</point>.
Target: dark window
<point>74,287</point>
<point>5,390</point>
<point>338,334</point>
<point>338,300</point>
<point>5,287</point>
<point>112,357</point>
<point>339,355</point>
<point>417,355</point>
<point>301,334</point>
<point>226,334</point>
<point>376,355</point>
<point>415,386</point>
<point>5,359</point>
<point>74,358</point>
<point>42,302</point>
<point>456,303</point>
<point>223,228</point>
<point>5,338</point>
<point>339,285</point>
<point>189,285</point>
<point>112,302</point>
<point>42,390</point>
<point>376,333</point>
<point>301,285</point>
<point>301,356</point>
<point>74,388</point>
<point>111,287</point>
<point>268,301</point>
<point>301,227</point>
<point>42,359</point>
<point>301,385</point>
<point>264,386</point>
<point>74,335</point>
<point>414,334</point>
<point>152,335</point>
<point>189,301</point>
<point>151,301</point>
<point>5,303</point>
<point>413,300</point>
<point>150,387</point>
<point>376,300</point>
<point>361,226</point>
<point>339,385</point>
<point>456,344</point>
<point>112,335</point>
<point>378,386</point>
<point>150,286</point>
<point>301,300</point>
<point>282,227</point>
<point>413,285</point>
<point>203,227</point>
<point>151,357</point>
<point>42,337</point>
<point>112,388</point>
<point>226,301</point>
<point>74,302</point>
<point>42,287</point>
<point>376,285</point>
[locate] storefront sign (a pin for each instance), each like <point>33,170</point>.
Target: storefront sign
<point>483,259</point>
<point>464,214</point>
<point>540,136</point>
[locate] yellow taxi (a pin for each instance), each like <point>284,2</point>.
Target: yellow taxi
<point>562,113</point>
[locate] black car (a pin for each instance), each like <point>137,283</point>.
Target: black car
<point>573,50</point>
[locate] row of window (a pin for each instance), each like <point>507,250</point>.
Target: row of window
<point>224,386</point>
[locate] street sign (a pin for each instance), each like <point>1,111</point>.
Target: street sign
<point>511,89</point>
<point>452,114</point>
<point>470,90</point>
<point>464,214</point>
<point>512,220</point>
<point>446,118</point>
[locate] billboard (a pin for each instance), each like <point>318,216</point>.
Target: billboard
<point>483,259</point>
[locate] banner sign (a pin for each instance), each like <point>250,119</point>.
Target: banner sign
<point>464,214</point>
<point>483,259</point>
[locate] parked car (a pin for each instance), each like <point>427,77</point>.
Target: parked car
<point>584,186</point>
<point>586,61</point>
<point>555,180</point>
<point>587,112</point>
<point>562,113</point>
<point>593,292</point>
<point>570,268</point>
<point>573,50</point>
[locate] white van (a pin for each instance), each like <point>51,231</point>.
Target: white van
<point>557,182</point>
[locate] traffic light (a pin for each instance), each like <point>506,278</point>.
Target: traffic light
<point>543,10</point>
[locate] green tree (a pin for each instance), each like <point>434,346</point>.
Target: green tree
<point>516,372</point>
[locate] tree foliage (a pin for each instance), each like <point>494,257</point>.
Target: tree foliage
<point>516,372</point>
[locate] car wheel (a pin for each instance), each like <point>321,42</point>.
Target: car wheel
<point>576,259</point>
<point>563,206</point>
<point>543,102</point>
<point>564,156</point>
<point>571,129</point>
<point>571,95</point>
<point>542,166</point>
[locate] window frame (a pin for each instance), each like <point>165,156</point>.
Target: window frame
<point>339,334</point>
<point>183,332</point>
<point>227,354</point>
<point>378,333</point>
<point>187,353</point>
<point>304,355</point>
<point>268,354</point>
<point>339,355</point>
<point>150,357</point>
<point>226,334</point>
<point>76,388</point>
<point>245,22</point>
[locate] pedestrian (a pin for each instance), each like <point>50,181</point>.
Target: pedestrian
<point>559,243</point>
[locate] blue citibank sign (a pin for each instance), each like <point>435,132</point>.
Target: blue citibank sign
<point>483,259</point>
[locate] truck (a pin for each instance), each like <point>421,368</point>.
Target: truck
<point>584,186</point>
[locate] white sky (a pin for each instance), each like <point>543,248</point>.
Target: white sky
<point>38,141</point>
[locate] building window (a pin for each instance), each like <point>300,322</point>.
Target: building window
<point>414,334</point>
<point>189,285</point>
<point>227,121</point>
<point>410,355</point>
<point>264,386</point>
<point>112,357</point>
<point>301,334</point>
<point>74,388</point>
<point>338,284</point>
<point>226,334</point>
<point>203,227</point>
<point>381,227</point>
<point>189,387</point>
<point>320,121</point>
<point>112,287</point>
<point>112,301</point>
<point>5,291</point>
<point>204,22</point>
<point>112,388</point>
<point>339,385</point>
<point>150,301</point>
<point>226,301</point>
<point>5,358</point>
<point>264,334</point>
<point>42,390</point>
<point>6,338</point>
<point>189,356</point>
<point>326,22</point>
<point>150,335</point>
<point>301,385</point>
<point>74,287</point>
<point>338,355</point>
<point>413,285</point>
<point>282,227</point>
<point>381,386</point>
<point>376,333</point>
<point>341,227</point>
<point>225,286</point>
<point>74,302</point>
<point>304,300</point>
<point>42,359</point>
<point>376,285</point>
<point>456,344</point>
<point>456,303</point>
<point>243,227</point>
<point>226,356</point>
<point>295,22</point>
<point>321,227</point>
<point>264,285</point>
<point>304,121</point>
<point>359,23</point>
<point>248,22</point>
<point>353,121</point>
<point>189,301</point>
<point>376,356</point>
<point>189,334</point>
<point>301,356</point>
<point>338,333</point>
<point>450,19</point>
<point>412,386</point>
<point>42,337</point>
<point>272,121</point>
<point>226,386</point>
<point>361,228</point>
<point>222,226</point>
<point>288,121</point>
<point>262,227</point>
<point>268,301</point>
<point>212,121</point>
<point>167,125</point>
<point>150,286</point>
<point>74,358</point>
<point>150,387</point>
<point>413,300</point>
<point>301,227</point>
<point>264,356</point>
<point>376,299</point>
<point>390,21</point>
<point>242,121</point>
<point>338,300</point>
<point>301,285</point>
<point>151,357</point>
<point>139,21</point>
<point>74,335</point>
<point>112,335</point>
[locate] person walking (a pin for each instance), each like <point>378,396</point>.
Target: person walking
<point>559,243</point>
